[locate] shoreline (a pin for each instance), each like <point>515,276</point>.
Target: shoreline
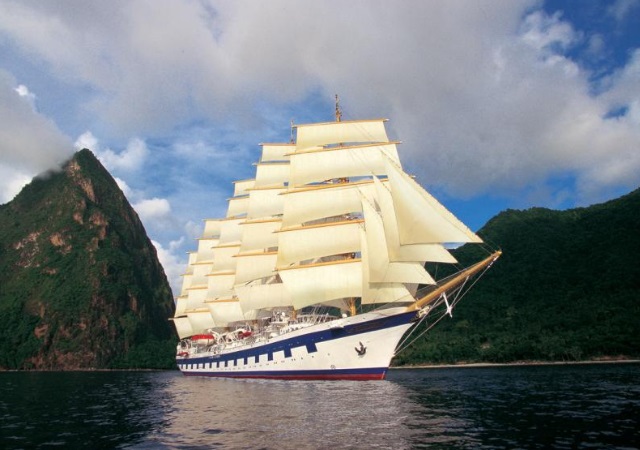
<point>517,364</point>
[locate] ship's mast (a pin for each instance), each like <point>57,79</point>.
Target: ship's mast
<point>352,306</point>
<point>454,282</point>
<point>291,140</point>
<point>352,301</point>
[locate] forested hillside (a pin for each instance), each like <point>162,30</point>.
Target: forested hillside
<point>567,288</point>
<point>80,282</point>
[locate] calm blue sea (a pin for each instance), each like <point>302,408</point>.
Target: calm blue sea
<point>568,406</point>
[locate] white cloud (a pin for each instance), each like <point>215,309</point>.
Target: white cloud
<point>193,229</point>
<point>153,209</point>
<point>542,31</point>
<point>130,159</point>
<point>155,213</point>
<point>172,263</point>
<point>596,46</point>
<point>157,216</point>
<point>86,140</point>
<point>12,182</point>
<point>621,8</point>
<point>483,94</point>
<point>624,84</point>
<point>30,143</point>
<point>124,187</point>
<point>23,91</point>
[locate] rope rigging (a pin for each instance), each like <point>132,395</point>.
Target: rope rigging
<point>460,291</point>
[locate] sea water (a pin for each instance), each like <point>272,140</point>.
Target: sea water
<point>555,406</point>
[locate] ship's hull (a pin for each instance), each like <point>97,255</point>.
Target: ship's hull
<point>352,348</point>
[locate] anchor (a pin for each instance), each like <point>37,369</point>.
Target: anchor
<point>362,350</point>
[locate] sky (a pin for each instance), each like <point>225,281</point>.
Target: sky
<point>498,104</point>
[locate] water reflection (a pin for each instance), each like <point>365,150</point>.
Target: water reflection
<point>536,406</point>
<point>287,415</point>
<point>75,410</point>
<point>502,408</point>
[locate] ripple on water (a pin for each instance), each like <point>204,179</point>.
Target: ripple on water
<point>493,408</point>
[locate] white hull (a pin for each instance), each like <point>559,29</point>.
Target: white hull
<point>358,347</point>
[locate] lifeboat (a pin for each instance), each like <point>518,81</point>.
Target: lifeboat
<point>203,339</point>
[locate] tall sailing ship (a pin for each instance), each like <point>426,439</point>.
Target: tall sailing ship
<point>318,269</point>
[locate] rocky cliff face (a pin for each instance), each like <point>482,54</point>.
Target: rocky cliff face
<point>80,282</point>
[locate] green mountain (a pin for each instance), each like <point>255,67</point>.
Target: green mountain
<point>80,282</point>
<point>566,288</point>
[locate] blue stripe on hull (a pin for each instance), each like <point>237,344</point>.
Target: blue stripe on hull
<point>306,340</point>
<point>209,366</point>
<point>373,373</point>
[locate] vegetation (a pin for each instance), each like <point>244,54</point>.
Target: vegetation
<point>567,288</point>
<point>80,282</point>
<point>81,285</point>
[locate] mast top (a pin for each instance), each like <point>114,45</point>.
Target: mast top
<point>338,110</point>
<point>291,140</point>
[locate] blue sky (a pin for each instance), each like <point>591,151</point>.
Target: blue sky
<point>499,104</point>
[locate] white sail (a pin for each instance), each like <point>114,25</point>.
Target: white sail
<point>224,260</point>
<point>329,222</point>
<point>381,269</point>
<point>241,187</point>
<point>320,283</point>
<point>255,265</point>
<point>265,202</point>
<point>259,234</point>
<point>230,231</point>
<point>200,272</point>
<point>196,297</point>
<point>220,285</point>
<point>238,206</point>
<point>316,202</point>
<point>318,134</point>
<point>181,305</point>
<point>341,162</point>
<point>315,241</point>
<point>188,275</point>
<point>211,228</point>
<point>193,257</point>
<point>185,288</point>
<point>183,327</point>
<point>186,283</point>
<point>421,218</point>
<point>397,252</point>
<point>200,319</point>
<point>225,311</point>
<point>379,292</point>
<point>205,249</point>
<point>276,152</point>
<point>283,217</point>
<point>271,174</point>
<point>383,293</point>
<point>257,296</point>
